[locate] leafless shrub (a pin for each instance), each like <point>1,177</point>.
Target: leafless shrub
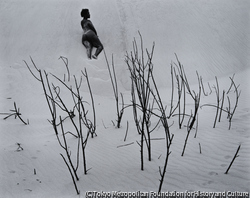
<point>146,101</point>
<point>164,121</point>
<point>196,97</point>
<point>55,102</point>
<point>141,67</point>
<point>183,88</point>
<point>220,102</point>
<point>113,79</point>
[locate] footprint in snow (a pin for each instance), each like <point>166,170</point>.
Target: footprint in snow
<point>205,183</point>
<point>212,173</point>
<point>227,156</point>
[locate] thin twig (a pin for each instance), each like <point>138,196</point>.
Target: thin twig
<point>125,145</point>
<point>16,114</point>
<point>73,179</point>
<point>65,60</point>
<point>126,132</point>
<point>236,155</point>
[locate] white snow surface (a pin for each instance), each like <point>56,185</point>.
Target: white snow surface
<point>211,37</point>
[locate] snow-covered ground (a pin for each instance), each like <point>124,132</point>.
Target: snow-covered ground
<point>212,37</point>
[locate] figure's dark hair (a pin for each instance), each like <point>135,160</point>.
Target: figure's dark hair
<point>85,13</point>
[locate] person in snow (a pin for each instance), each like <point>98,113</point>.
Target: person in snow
<point>89,37</point>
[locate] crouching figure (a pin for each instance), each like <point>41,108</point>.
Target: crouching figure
<point>89,37</point>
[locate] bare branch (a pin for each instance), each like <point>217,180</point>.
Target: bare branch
<point>236,155</point>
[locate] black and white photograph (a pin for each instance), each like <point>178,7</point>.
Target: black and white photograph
<point>124,98</point>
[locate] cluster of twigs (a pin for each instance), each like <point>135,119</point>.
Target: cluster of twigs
<point>16,113</point>
<point>78,116</point>
<point>178,73</point>
<point>183,88</point>
<point>143,101</point>
<point>220,102</point>
<point>146,102</point>
<point>194,116</point>
<point>168,137</point>
<point>179,77</point>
